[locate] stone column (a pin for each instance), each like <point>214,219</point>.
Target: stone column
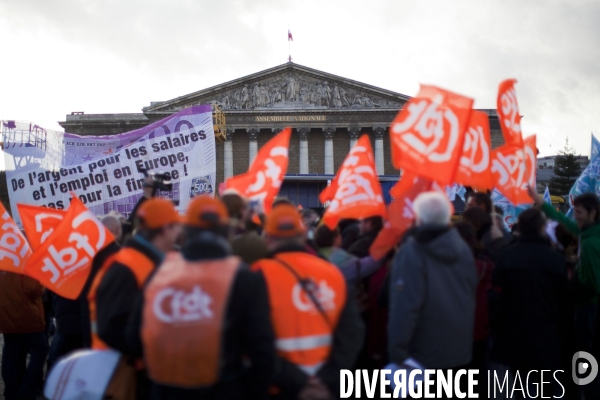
<point>379,163</point>
<point>252,145</point>
<point>354,132</point>
<point>303,135</point>
<point>328,132</point>
<point>228,157</point>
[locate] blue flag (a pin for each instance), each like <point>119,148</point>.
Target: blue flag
<point>511,213</point>
<point>595,148</point>
<point>547,198</point>
<point>589,180</point>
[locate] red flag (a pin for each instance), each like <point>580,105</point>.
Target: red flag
<point>400,213</point>
<point>39,222</point>
<point>355,191</point>
<point>14,249</point>
<point>290,36</point>
<point>474,167</point>
<point>514,168</point>
<point>427,135</point>
<point>386,240</point>
<point>63,262</point>
<point>401,210</point>
<point>508,113</point>
<point>265,175</point>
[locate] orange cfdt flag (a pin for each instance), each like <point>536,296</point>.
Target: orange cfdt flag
<point>508,113</point>
<point>355,191</point>
<point>39,222</point>
<point>514,168</point>
<point>474,167</point>
<point>14,249</point>
<point>427,135</point>
<point>264,177</point>
<point>63,262</point>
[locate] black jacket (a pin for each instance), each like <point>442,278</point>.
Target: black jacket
<point>529,304</point>
<point>115,297</point>
<point>493,247</point>
<point>350,232</point>
<point>360,247</point>
<point>247,332</point>
<point>348,339</point>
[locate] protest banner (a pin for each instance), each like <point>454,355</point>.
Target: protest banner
<point>355,191</point>
<point>14,249</point>
<point>106,172</point>
<point>63,262</point>
<point>427,135</point>
<point>39,222</point>
<point>264,177</point>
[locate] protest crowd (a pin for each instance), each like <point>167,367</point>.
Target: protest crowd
<point>238,299</point>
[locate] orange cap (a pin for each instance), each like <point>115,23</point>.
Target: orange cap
<point>156,213</point>
<point>284,221</point>
<point>206,212</point>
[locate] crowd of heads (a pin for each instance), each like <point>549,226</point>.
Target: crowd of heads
<point>158,221</point>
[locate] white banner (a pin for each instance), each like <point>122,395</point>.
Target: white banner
<point>105,172</point>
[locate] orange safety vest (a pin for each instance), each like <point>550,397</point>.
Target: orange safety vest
<point>138,263</point>
<point>184,309</point>
<point>304,334</point>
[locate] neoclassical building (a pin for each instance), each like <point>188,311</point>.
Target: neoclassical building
<point>327,113</point>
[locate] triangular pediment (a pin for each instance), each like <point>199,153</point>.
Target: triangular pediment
<point>289,86</point>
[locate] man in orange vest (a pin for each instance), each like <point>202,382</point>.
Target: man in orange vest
<point>121,278</point>
<point>318,330</point>
<point>202,324</point>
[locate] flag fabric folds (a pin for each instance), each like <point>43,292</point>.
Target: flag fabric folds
<point>474,166</point>
<point>589,180</point>
<point>427,136</point>
<point>514,168</point>
<point>355,191</point>
<point>264,177</point>
<point>63,261</point>
<point>547,197</point>
<point>39,222</point>
<point>508,113</point>
<point>14,248</point>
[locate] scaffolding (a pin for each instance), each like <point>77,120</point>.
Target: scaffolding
<point>24,141</point>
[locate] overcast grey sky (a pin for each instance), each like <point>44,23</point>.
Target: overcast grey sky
<point>114,56</point>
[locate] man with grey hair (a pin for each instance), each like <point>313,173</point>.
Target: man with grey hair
<point>432,291</point>
<point>113,224</point>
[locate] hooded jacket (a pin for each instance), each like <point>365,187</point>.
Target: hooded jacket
<point>432,299</point>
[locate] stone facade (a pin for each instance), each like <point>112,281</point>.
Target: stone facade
<point>327,114</point>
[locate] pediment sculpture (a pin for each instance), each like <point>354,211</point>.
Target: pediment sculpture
<point>295,91</point>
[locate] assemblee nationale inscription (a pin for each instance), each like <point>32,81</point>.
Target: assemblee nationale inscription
<point>289,118</point>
